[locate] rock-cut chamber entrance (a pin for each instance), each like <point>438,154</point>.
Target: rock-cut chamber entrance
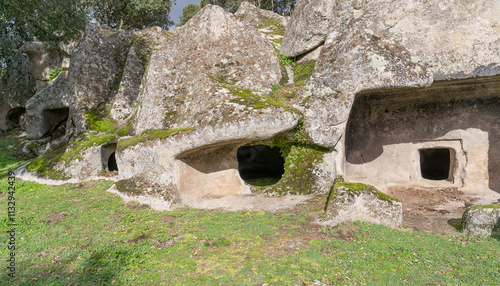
<point>435,163</point>
<point>108,158</point>
<point>441,136</point>
<point>14,116</point>
<point>260,165</point>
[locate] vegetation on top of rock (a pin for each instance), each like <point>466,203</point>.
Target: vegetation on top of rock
<point>56,21</point>
<point>45,165</point>
<point>356,189</point>
<point>149,134</point>
<point>303,72</point>
<point>54,73</point>
<point>98,119</point>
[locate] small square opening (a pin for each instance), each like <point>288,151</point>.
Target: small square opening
<point>435,163</point>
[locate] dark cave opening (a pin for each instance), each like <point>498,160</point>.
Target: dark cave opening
<point>435,163</point>
<point>112,165</point>
<point>15,115</point>
<point>260,165</point>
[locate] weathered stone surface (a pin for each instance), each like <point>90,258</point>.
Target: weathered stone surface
<point>207,153</point>
<point>42,60</point>
<point>42,114</point>
<point>382,44</point>
<point>387,129</point>
<point>138,56</point>
<point>482,220</point>
<point>95,70</point>
<point>17,86</point>
<point>256,17</point>
<point>308,26</point>
<point>204,77</point>
<point>349,202</point>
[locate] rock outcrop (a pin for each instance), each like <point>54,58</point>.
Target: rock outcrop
<point>133,73</point>
<point>95,70</point>
<point>380,44</point>
<point>482,220</point>
<point>48,110</point>
<point>256,17</point>
<point>308,26</point>
<point>349,202</point>
<point>17,86</point>
<point>216,76</point>
<point>43,59</point>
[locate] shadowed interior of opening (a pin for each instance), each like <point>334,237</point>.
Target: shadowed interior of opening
<point>14,115</point>
<point>112,166</point>
<point>57,120</point>
<point>260,165</point>
<point>435,163</point>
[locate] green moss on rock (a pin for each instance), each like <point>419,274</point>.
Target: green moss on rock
<point>45,164</point>
<point>300,159</point>
<point>149,134</point>
<point>303,72</point>
<point>355,189</point>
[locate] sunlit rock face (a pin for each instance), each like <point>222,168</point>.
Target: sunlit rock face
<point>383,44</point>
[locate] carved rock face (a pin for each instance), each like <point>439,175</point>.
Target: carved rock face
<point>382,44</point>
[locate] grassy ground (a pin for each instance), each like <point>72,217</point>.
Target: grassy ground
<point>79,234</point>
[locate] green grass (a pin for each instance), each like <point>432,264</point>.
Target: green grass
<point>54,73</point>
<point>104,241</point>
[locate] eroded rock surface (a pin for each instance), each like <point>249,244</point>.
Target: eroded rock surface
<point>95,70</point>
<point>215,76</point>
<point>48,109</point>
<point>382,44</point>
<point>133,73</point>
<point>256,17</point>
<point>482,220</point>
<point>351,202</point>
<point>17,86</point>
<point>308,26</point>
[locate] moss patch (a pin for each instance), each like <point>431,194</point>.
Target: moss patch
<point>274,25</point>
<point>147,135</point>
<point>45,164</point>
<point>355,189</point>
<point>256,99</point>
<point>300,159</point>
<point>303,72</point>
<point>490,206</point>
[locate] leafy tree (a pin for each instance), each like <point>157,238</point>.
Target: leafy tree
<point>188,12</point>
<point>53,21</point>
<point>282,7</point>
<point>132,14</point>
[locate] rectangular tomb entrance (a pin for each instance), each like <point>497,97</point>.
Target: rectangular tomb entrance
<point>446,135</point>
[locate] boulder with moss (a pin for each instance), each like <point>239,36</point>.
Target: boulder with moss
<point>349,202</point>
<point>81,158</point>
<point>218,76</point>
<point>482,220</point>
<point>95,71</point>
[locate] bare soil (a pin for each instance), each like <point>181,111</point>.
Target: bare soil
<point>438,210</point>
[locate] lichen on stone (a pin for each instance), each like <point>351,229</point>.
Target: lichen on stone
<point>147,135</point>
<point>45,165</point>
